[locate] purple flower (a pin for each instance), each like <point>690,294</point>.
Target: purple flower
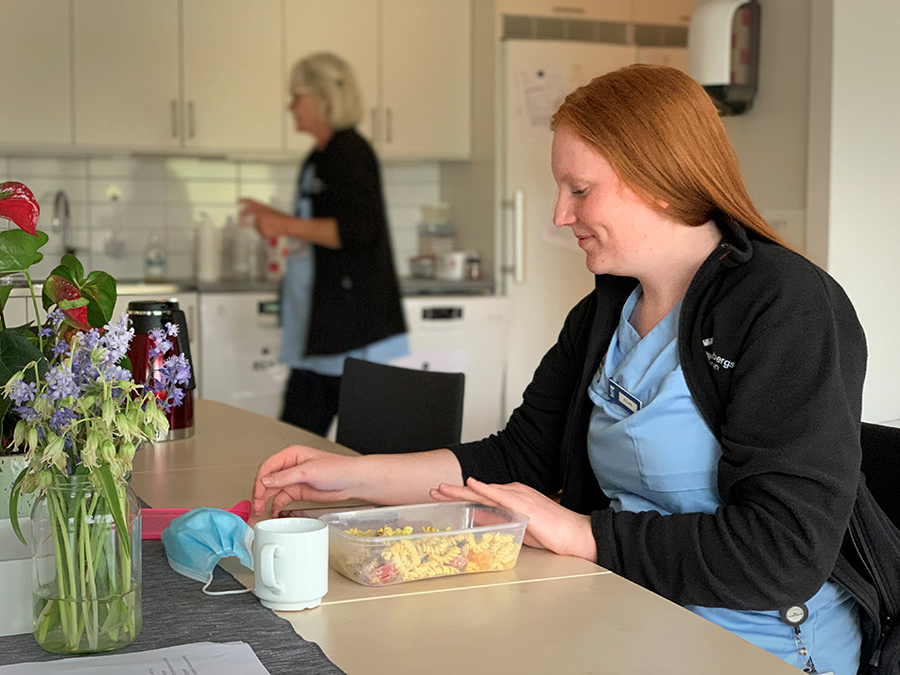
<point>116,339</point>
<point>62,418</point>
<point>61,383</point>
<point>45,332</point>
<point>23,392</point>
<point>176,369</point>
<point>60,348</point>
<point>171,329</point>
<point>56,317</point>
<point>27,413</point>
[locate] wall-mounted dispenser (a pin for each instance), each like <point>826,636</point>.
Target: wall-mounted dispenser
<point>723,52</point>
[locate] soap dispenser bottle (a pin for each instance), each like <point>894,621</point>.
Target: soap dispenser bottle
<point>154,259</point>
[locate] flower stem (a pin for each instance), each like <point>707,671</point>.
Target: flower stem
<point>37,314</point>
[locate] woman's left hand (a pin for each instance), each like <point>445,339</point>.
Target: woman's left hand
<point>550,525</point>
<point>266,220</point>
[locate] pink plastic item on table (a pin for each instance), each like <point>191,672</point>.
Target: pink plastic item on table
<point>154,521</point>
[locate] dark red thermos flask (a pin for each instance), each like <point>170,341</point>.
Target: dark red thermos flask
<point>147,315</point>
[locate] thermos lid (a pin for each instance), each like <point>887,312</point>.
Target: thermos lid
<point>152,307</point>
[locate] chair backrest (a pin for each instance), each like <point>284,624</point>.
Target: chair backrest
<point>881,466</point>
<point>386,409</point>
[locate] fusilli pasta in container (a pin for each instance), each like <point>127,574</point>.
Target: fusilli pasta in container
<point>393,544</point>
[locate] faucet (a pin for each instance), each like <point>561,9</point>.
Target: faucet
<point>62,220</point>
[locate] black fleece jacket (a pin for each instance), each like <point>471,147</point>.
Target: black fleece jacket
<point>774,356</point>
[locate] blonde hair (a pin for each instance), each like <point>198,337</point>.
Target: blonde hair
<point>661,133</point>
<point>332,82</point>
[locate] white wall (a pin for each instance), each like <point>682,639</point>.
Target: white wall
<point>771,138</point>
<point>863,181</point>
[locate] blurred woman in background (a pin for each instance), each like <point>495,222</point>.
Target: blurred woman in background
<point>339,295</point>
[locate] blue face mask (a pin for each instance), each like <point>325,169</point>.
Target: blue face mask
<point>196,541</point>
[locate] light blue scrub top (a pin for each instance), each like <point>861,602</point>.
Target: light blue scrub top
<point>296,304</point>
<point>664,458</point>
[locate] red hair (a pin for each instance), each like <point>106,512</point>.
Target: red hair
<point>662,135</point>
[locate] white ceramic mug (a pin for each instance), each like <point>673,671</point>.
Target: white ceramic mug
<point>290,563</point>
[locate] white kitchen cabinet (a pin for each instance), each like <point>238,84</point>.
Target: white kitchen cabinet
<point>233,88</point>
<point>594,10</point>
<point>36,103</point>
<point>412,59</point>
<point>672,12</point>
<point>16,312</point>
<point>126,72</point>
<point>348,28</point>
<point>426,79</point>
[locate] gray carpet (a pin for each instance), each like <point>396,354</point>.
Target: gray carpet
<point>175,611</point>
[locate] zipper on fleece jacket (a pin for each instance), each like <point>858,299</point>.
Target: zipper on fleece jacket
<point>886,619</point>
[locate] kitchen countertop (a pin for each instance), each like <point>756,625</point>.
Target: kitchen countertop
<point>408,287</point>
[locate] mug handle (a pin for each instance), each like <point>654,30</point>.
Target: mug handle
<point>267,567</point>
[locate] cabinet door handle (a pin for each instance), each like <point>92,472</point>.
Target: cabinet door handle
<point>190,119</point>
<point>519,236</point>
<point>174,119</point>
<point>388,126</point>
<point>375,133</point>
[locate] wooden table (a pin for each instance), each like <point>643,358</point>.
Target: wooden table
<point>549,614</point>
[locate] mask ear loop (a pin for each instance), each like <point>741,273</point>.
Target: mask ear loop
<point>237,592</point>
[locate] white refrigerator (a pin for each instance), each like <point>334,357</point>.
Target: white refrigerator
<point>544,273</point>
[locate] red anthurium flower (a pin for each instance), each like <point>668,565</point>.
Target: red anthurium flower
<point>63,289</point>
<point>17,203</point>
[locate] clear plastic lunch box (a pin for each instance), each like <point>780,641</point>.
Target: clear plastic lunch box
<point>393,544</point>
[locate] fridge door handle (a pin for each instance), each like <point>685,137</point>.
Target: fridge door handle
<point>519,236</point>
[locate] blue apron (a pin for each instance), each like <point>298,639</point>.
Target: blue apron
<point>296,304</point>
<point>651,450</point>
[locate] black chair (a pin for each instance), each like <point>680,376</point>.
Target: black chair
<point>881,466</point>
<point>386,409</point>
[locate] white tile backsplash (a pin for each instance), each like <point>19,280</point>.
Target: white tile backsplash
<point>127,190</point>
<point>275,193</point>
<point>279,173</point>
<point>63,167</point>
<point>201,192</point>
<point>127,168</point>
<point>123,216</point>
<point>45,189</point>
<point>188,168</point>
<point>117,202</point>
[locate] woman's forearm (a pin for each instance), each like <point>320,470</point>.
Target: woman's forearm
<point>406,478</point>
<point>319,231</point>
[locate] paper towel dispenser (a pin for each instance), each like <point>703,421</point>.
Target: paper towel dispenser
<point>723,52</point>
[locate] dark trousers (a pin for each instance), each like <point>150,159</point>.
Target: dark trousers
<point>311,401</point>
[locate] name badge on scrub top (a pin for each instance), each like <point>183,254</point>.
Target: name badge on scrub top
<point>623,397</point>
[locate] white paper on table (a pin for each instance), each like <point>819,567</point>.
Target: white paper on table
<point>199,658</point>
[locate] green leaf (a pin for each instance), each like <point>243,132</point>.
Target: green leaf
<point>16,352</point>
<point>4,295</point>
<point>14,505</point>
<point>100,290</point>
<point>111,493</point>
<point>70,261</point>
<point>19,250</point>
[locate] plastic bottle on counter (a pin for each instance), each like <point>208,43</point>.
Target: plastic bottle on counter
<point>209,250</point>
<point>229,248</point>
<point>246,251</point>
<point>154,259</point>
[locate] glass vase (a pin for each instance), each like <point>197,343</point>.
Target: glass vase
<point>86,546</point>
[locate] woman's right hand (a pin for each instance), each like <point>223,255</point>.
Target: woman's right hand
<point>299,473</point>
